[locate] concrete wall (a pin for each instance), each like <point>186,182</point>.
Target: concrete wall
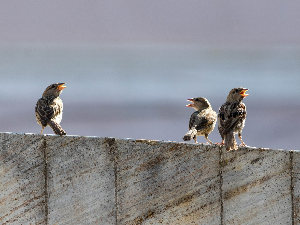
<point>91,180</point>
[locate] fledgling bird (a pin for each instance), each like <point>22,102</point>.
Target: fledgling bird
<point>232,117</point>
<point>203,121</point>
<point>49,108</point>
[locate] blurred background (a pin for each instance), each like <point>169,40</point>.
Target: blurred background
<point>129,66</point>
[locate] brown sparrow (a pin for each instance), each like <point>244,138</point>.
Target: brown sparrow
<point>203,121</point>
<point>49,108</point>
<point>232,117</point>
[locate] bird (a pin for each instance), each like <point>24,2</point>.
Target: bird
<point>232,117</point>
<point>49,108</point>
<point>203,121</point>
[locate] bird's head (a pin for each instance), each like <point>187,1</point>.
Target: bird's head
<point>237,94</point>
<point>198,103</point>
<point>54,89</point>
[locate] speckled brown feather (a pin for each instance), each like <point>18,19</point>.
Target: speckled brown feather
<point>49,109</point>
<point>232,117</point>
<point>202,122</point>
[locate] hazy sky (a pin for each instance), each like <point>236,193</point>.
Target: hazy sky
<point>151,21</point>
<point>119,90</point>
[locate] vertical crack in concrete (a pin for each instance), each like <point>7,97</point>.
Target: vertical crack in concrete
<point>221,184</point>
<point>46,181</point>
<point>112,149</point>
<point>292,185</point>
<point>116,180</point>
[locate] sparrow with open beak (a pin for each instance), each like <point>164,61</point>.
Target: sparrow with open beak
<point>232,117</point>
<point>203,121</point>
<point>49,108</point>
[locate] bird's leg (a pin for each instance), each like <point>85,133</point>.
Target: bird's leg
<point>206,137</point>
<point>195,139</point>
<point>42,130</point>
<point>240,137</point>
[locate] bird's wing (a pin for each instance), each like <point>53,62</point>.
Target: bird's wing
<point>201,121</point>
<point>231,114</point>
<point>46,111</point>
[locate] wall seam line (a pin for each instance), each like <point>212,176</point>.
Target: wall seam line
<point>46,181</point>
<point>112,150</point>
<point>221,185</point>
<point>292,185</point>
<point>116,181</point>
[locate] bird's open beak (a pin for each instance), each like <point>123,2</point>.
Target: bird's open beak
<point>243,92</point>
<point>191,100</point>
<point>61,86</point>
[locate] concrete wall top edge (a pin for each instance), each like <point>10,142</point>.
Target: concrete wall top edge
<point>145,141</point>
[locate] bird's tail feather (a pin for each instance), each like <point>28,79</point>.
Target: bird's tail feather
<point>57,129</point>
<point>189,135</point>
<point>230,142</point>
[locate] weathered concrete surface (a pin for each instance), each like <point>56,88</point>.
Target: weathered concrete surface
<point>167,183</point>
<point>90,180</point>
<point>256,187</point>
<point>81,181</point>
<point>22,179</point>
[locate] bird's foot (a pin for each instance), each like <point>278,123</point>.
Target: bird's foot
<point>242,144</point>
<point>222,143</point>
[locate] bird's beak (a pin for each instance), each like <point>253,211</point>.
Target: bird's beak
<point>191,100</point>
<point>242,93</point>
<point>61,86</point>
